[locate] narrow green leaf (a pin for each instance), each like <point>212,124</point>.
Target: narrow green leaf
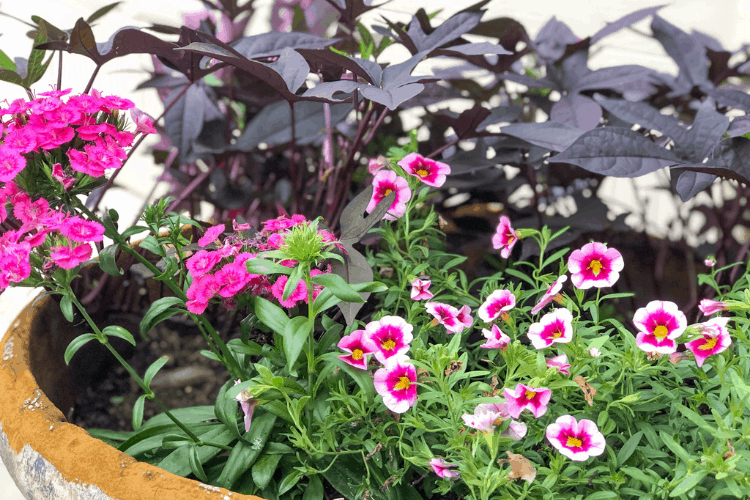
<point>149,243</point>
<point>602,495</point>
<point>131,231</point>
<point>152,370</point>
<point>314,490</point>
<point>520,275</point>
<point>242,456</point>
<point>338,286</point>
<point>195,464</point>
<point>674,446</point>
<point>177,461</point>
<point>292,477</point>
<point>262,266</point>
<point>271,315</point>
<point>688,483</point>
<point>628,448</point>
<point>120,332</point>
<point>296,334</point>
<point>107,261</point>
<point>264,469</point>
<point>292,282</point>
<point>76,344</point>
<point>66,306</point>
<point>138,412</point>
<point>157,308</point>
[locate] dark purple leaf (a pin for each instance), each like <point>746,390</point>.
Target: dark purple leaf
<point>729,160</point>
<point>549,135</point>
<point>292,67</point>
<point>391,98</point>
<point>163,81</point>
<point>613,77</point>
<point>536,83</point>
<point>464,162</point>
<point>689,183</point>
<point>399,74</point>
<point>707,130</point>
<point>353,225</point>
<point>509,31</point>
<point>99,13</point>
<point>689,55</point>
<point>183,122</point>
<point>500,114</point>
<point>553,39</point>
<point>707,41</point>
<point>739,126</point>
<point>577,111</point>
<point>273,43</point>
<point>624,22</point>
<point>731,98</point>
<point>450,30</point>
<point>643,115</point>
<point>617,152</point>
<point>474,49</point>
<point>329,89</point>
<point>369,71</point>
<point>469,120</point>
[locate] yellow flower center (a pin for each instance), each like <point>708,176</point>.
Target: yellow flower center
<point>660,332</point>
<point>510,239</point>
<point>422,173</point>
<point>403,383</point>
<point>595,267</point>
<point>357,354</point>
<point>557,334</point>
<point>388,345</point>
<point>710,344</point>
<point>574,442</point>
<point>387,192</point>
<point>529,394</point>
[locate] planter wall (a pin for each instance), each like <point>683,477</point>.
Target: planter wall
<point>50,459</point>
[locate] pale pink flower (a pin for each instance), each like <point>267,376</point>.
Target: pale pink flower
<point>560,362</point>
<point>446,315</point>
<point>555,327</point>
<point>386,182</point>
<point>143,123</point>
<point>708,306</point>
<point>247,404</point>
<point>211,235</point>
<point>429,171</point>
<point>441,468</point>
<point>81,230</point>
<point>358,352</point>
<point>715,339</point>
<point>549,296</point>
<point>495,304</point>
<point>659,324</point>
<point>486,416</point>
<point>68,258</point>
<point>397,383</point>
<point>496,339</point>
<point>577,440</point>
<point>376,164</point>
<point>464,317</point>
<point>710,262</point>
<point>419,289</point>
<point>527,398</point>
<point>595,265</point>
<point>388,337</point>
<point>505,237</point>
<point>595,352</point>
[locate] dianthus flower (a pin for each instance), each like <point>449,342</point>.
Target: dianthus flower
<point>81,230</point>
<point>70,257</point>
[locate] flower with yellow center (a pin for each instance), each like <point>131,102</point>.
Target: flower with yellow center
<point>389,345</point>
<point>574,442</point>
<point>387,192</point>
<point>530,394</point>
<point>422,172</point>
<point>403,383</point>
<point>660,332</point>
<point>710,344</point>
<point>596,267</point>
<point>357,354</point>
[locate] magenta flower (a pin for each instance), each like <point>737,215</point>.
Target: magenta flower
<point>708,306</point>
<point>659,324</point>
<point>446,315</point>
<point>82,230</point>
<point>419,289</point>
<point>388,337</point>
<point>358,352</point>
<point>496,339</point>
<point>211,235</point>
<point>441,468</point>
<point>396,382</point>
<point>715,340</point>
<point>549,296</point>
<point>496,303</point>
<point>464,317</point>
<point>202,289</point>
<point>11,163</point>
<point>59,175</point>
<point>68,258</point>
<point>202,262</point>
<point>577,440</point>
<point>247,404</point>
<point>560,362</point>
<point>430,172</point>
<point>554,328</point>
<point>385,183</point>
<point>527,398</point>
<point>595,265</point>
<point>299,293</point>
<point>505,237</point>
<point>29,212</point>
<point>232,277</point>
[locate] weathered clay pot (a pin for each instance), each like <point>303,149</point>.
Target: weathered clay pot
<point>50,459</point>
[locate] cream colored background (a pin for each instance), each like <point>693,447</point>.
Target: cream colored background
<point>726,20</point>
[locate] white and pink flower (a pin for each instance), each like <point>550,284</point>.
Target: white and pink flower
<point>446,315</point>
<point>505,237</point>
<point>429,171</point>
<point>497,302</point>
<point>496,339</point>
<point>527,398</point>
<point>577,440</point>
<point>659,324</point>
<point>715,339</point>
<point>594,265</point>
<point>397,383</point>
<point>560,362</point>
<point>388,337</point>
<point>247,404</point>
<point>555,327</point>
<point>708,306</point>
<point>419,289</point>
<point>487,416</point>
<point>384,183</point>
<point>551,293</point>
<point>358,353</point>
<point>442,468</point>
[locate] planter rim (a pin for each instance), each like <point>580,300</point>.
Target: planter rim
<point>51,459</point>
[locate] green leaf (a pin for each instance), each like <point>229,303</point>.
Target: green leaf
<point>598,342</point>
<point>687,484</point>
<point>10,77</point>
<point>263,266</point>
<point>133,231</point>
<point>152,370</point>
<point>66,306</point>
<point>520,275</point>
<point>120,332</point>
<point>314,490</point>
<point>296,333</point>
<point>340,288</point>
<point>554,257</point>
<point>361,377</point>
<point>6,62</point>
<point>628,448</point>
<point>155,312</point>
<point>674,446</point>
<point>76,344</point>
<point>107,261</point>
<point>602,495</point>
<point>264,469</point>
<point>226,410</point>
<point>243,456</point>
<point>292,477</point>
<point>36,67</point>
<point>138,412</point>
<point>271,315</point>
<point>149,243</point>
<point>292,282</point>
<point>177,462</point>
<point>195,464</point>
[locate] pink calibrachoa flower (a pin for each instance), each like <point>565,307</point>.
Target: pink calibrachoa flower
<point>708,306</point>
<point>82,230</point>
<point>550,294</point>
<point>68,258</point>
<point>525,397</point>
<point>561,363</point>
<point>505,237</point>
<point>388,337</point>
<point>419,289</point>
<point>396,382</point>
<point>446,315</point>
<point>555,327</point>
<point>659,324</point>
<point>358,352</point>
<point>496,339</point>
<point>595,265</point>
<point>710,262</point>
<point>247,403</point>
<point>715,340</point>
<point>487,416</point>
<point>211,235</point>
<point>376,164</point>
<point>594,352</point>
<point>577,440</point>
<point>496,303</point>
<point>464,317</point>
<point>429,171</point>
<point>441,468</point>
<point>385,183</point>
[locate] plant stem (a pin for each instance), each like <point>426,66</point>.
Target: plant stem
<point>91,80</point>
<point>310,352</point>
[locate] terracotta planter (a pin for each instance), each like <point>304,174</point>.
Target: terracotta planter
<point>50,459</point>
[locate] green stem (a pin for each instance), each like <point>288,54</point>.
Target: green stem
<point>310,352</point>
